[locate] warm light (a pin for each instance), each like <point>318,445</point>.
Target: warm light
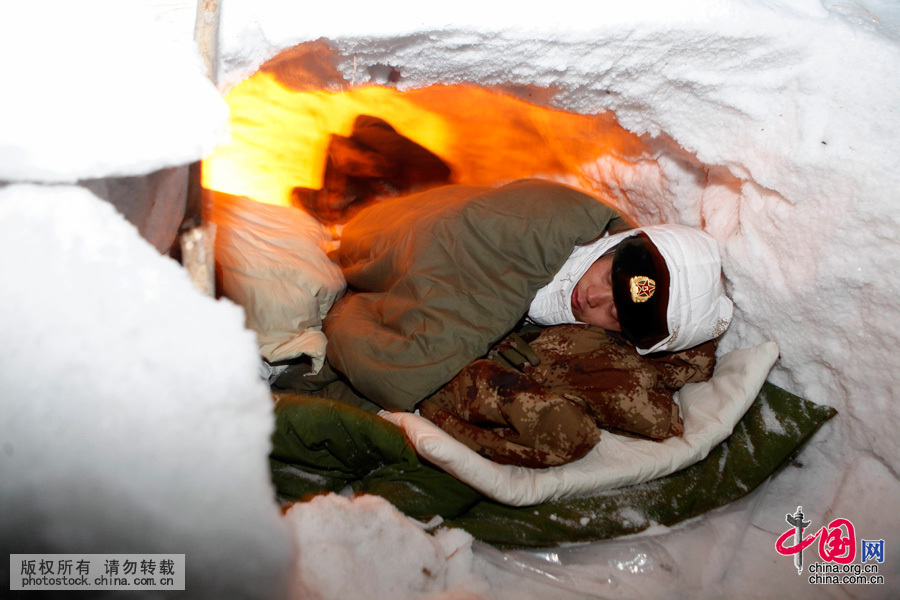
<point>280,136</point>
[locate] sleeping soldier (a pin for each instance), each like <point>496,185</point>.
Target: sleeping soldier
<point>633,317</point>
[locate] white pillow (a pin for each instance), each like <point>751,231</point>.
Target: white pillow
<point>710,410</point>
<point>271,260</point>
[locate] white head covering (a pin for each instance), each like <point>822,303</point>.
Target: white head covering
<point>698,308</point>
<point>552,305</point>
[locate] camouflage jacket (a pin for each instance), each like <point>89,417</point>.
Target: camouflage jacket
<point>607,378</point>
<point>542,402</point>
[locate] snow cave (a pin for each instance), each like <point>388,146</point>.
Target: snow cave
<point>136,415</point>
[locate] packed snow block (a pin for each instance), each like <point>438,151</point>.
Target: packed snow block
<point>107,97</point>
<point>363,548</point>
<point>132,417</point>
<point>322,446</point>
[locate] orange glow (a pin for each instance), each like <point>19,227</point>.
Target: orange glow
<point>280,136</point>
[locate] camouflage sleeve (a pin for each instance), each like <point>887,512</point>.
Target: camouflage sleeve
<point>692,365</point>
<point>509,418</point>
<point>619,388</point>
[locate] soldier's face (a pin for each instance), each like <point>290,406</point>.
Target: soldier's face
<point>592,298</point>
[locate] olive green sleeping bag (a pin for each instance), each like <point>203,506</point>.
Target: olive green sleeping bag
<point>442,275</point>
<point>321,446</point>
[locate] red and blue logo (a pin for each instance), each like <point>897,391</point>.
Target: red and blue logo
<point>836,544</point>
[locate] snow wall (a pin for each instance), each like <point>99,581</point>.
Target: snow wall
<point>132,417</point>
<point>771,125</point>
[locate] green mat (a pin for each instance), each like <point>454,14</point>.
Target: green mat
<point>322,446</point>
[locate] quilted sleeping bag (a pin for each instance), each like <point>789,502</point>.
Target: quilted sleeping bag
<point>440,276</point>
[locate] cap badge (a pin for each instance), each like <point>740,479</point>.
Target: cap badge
<point>642,288</point>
